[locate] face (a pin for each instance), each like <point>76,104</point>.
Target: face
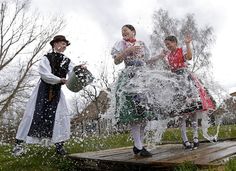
<point>60,46</point>
<point>171,45</point>
<point>127,33</point>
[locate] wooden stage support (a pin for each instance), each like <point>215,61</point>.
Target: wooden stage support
<point>165,157</point>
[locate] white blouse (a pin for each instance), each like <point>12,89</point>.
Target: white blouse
<point>46,73</point>
<point>121,45</point>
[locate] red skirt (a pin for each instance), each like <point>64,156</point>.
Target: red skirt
<point>208,104</point>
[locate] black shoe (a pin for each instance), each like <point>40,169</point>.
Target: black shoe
<point>142,153</point>
<point>214,139</point>
<point>195,143</point>
<point>187,145</point>
<point>136,150</point>
<point>18,150</point>
<point>60,148</point>
<point>61,151</point>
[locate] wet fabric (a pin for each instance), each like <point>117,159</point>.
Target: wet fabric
<point>131,107</point>
<point>48,98</point>
<point>164,93</point>
<point>45,110</point>
<point>61,128</point>
<point>177,63</point>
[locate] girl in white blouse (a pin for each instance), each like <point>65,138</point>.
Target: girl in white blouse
<point>131,108</point>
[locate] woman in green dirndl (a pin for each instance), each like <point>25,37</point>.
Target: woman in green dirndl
<point>131,104</point>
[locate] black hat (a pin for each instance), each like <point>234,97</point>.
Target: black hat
<point>59,38</point>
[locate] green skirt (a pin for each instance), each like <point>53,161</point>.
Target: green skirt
<point>130,107</point>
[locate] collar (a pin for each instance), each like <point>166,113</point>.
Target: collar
<point>131,40</point>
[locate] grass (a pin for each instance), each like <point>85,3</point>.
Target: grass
<point>40,158</point>
<point>225,132</point>
<point>45,159</point>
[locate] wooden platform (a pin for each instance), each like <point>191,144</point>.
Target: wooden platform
<point>165,157</point>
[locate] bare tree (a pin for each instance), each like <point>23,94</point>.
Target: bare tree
<point>203,38</point>
<point>23,36</point>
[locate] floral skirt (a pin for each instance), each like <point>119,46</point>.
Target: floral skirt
<point>184,94</point>
<point>144,94</point>
<point>131,106</point>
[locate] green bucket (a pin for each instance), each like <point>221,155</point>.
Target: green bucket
<point>79,78</point>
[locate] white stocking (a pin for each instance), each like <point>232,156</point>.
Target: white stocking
<point>195,125</point>
<point>135,132</point>
<point>183,129</point>
<point>142,128</point>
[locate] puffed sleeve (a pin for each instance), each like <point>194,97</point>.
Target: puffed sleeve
<point>117,48</point>
<point>184,52</point>
<point>46,73</point>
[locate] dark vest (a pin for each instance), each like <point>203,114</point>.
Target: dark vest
<point>59,64</point>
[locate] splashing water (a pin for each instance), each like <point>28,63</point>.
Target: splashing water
<point>205,125</point>
<point>165,92</point>
<point>154,132</point>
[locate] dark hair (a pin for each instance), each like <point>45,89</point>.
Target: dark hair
<point>172,39</point>
<point>129,26</point>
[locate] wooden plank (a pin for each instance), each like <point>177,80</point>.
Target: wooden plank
<point>169,154</point>
<point>97,154</point>
<point>216,155</point>
<point>164,156</point>
<point>129,156</point>
<point>195,154</point>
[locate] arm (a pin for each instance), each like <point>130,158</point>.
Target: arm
<point>120,57</point>
<point>126,52</point>
<point>45,72</point>
<point>188,55</point>
<point>155,58</point>
<point>119,53</point>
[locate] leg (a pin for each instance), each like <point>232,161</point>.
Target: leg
<point>195,131</point>
<point>60,148</point>
<point>137,131</point>
<point>142,128</point>
<point>186,143</point>
<point>195,125</point>
<point>18,149</point>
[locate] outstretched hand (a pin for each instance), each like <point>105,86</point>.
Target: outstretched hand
<point>163,53</point>
<point>187,39</point>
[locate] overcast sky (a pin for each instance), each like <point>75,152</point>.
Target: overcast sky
<point>93,26</point>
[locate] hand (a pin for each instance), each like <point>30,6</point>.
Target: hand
<point>63,80</point>
<point>83,66</point>
<point>163,53</point>
<point>187,39</point>
<point>133,49</point>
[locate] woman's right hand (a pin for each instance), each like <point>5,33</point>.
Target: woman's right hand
<point>128,52</point>
<point>133,50</point>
